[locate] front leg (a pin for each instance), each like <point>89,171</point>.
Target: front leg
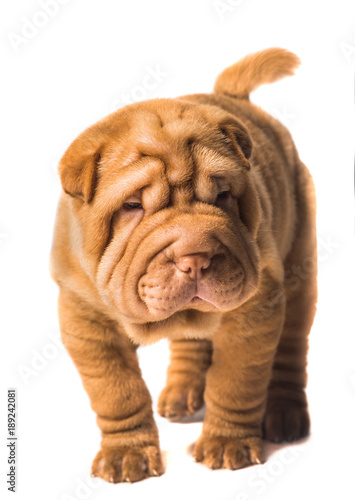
<point>238,379</point>
<point>108,365</point>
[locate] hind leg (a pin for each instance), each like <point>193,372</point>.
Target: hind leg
<point>183,393</point>
<point>286,417</point>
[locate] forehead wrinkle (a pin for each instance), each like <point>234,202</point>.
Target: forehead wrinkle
<point>124,182</point>
<point>168,137</point>
<point>180,166</point>
<point>179,173</point>
<point>154,135</point>
<point>210,162</point>
<point>182,195</point>
<point>214,172</point>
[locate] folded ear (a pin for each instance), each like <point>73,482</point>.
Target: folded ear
<point>239,138</point>
<point>78,167</point>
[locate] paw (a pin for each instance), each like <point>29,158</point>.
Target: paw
<point>286,423</point>
<point>116,465</point>
<point>181,400</point>
<point>229,453</point>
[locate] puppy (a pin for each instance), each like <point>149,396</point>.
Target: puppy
<point>193,219</point>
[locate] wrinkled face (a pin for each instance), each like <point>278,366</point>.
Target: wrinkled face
<point>181,242</point>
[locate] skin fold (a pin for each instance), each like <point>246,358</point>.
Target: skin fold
<point>191,219</point>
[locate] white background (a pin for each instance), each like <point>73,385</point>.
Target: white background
<point>77,67</point>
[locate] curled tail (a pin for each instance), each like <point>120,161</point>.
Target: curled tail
<point>265,66</point>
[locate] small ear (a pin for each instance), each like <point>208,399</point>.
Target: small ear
<point>78,167</point>
<point>239,138</point>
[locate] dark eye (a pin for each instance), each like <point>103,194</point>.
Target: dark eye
<point>132,205</point>
<point>223,196</point>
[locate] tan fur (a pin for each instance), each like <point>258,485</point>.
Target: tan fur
<point>246,75</point>
<point>221,259</point>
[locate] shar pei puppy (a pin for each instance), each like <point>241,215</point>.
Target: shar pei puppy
<point>192,219</point>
